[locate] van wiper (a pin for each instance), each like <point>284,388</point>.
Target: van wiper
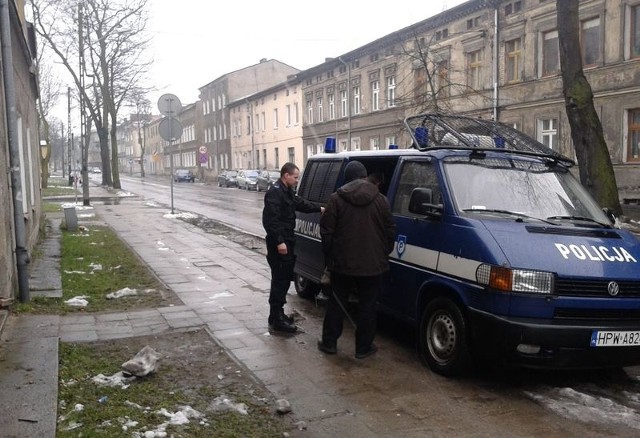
<point>520,216</point>
<point>579,218</point>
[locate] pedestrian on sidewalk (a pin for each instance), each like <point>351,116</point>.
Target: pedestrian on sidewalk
<point>279,221</point>
<point>358,234</point>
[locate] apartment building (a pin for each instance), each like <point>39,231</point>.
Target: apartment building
<point>214,102</point>
<point>21,216</point>
<point>487,58</point>
<point>266,127</point>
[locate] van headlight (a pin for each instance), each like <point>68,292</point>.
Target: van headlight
<point>515,280</point>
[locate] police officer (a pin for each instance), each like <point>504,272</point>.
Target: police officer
<point>279,220</point>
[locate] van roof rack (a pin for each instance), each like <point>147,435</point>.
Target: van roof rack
<point>442,131</point>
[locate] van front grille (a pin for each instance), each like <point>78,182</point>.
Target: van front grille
<point>595,288</point>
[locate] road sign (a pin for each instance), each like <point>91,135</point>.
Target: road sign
<point>170,129</point>
<point>169,105</point>
<point>202,149</point>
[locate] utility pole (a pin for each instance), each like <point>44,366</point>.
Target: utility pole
<point>69,134</point>
<point>83,118</point>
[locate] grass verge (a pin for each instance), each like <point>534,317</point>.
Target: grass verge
<point>193,372</point>
<point>95,263</point>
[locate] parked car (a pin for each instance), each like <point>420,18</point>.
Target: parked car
<point>227,178</point>
<point>247,179</point>
<point>266,179</point>
<point>183,175</point>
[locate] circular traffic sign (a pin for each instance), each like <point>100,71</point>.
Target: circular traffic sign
<point>169,105</point>
<point>202,149</point>
<point>170,129</point>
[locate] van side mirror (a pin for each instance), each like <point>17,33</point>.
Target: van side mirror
<point>421,202</point>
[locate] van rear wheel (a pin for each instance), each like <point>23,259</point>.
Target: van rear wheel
<point>443,338</point>
<point>305,287</point>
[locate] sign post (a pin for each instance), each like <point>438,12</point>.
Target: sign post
<point>170,128</point>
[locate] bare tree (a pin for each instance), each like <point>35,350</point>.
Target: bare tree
<point>596,170</point>
<point>143,112</point>
<point>432,77</point>
<point>112,31</point>
<point>50,89</point>
<point>115,35</point>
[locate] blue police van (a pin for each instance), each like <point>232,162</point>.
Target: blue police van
<point>500,253</point>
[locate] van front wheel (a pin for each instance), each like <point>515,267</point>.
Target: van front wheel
<point>443,342</point>
<point>305,287</point>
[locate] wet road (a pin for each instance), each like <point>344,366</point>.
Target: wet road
<point>526,403</point>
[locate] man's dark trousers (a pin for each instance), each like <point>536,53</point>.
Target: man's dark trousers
<point>368,290</point>
<point>281,276</point>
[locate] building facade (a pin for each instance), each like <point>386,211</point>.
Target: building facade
<point>486,58</point>
<point>266,128</point>
<point>19,151</point>
<point>216,96</point>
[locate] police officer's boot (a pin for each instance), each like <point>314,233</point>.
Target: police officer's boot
<point>280,322</point>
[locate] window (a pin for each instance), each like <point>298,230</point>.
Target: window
<point>355,144</point>
<point>375,95</point>
<point>309,150</point>
<point>513,59</point>
<point>391,91</point>
<point>288,115</point>
<point>332,106</point>
<point>590,41</point>
<point>296,113</point>
<point>277,151</point>
<point>356,100</point>
<point>548,133</point>
<point>275,118</point>
<point>413,175</point>
<point>474,64</point>
<point>320,112</point>
<point>442,78</point>
<point>513,8</point>
<point>343,103</point>
<point>309,111</point>
<point>248,125</point>
<point>389,140</point>
<point>550,53</point>
<point>374,143</point>
<point>343,145</point>
<point>292,155</point>
<point>633,146</point>
<point>635,31</point>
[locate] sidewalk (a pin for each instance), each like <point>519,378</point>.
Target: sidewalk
<point>217,280</point>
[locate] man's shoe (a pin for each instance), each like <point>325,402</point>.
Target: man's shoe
<point>281,325</point>
<point>326,349</point>
<point>371,351</point>
<point>288,318</point>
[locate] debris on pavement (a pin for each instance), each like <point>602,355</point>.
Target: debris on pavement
<point>224,403</point>
<point>125,292</point>
<point>78,301</point>
<point>143,363</point>
<point>283,406</point>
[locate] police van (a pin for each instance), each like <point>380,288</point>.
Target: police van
<point>500,252</point>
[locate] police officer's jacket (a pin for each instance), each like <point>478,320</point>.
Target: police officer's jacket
<point>279,213</point>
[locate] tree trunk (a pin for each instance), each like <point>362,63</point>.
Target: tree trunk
<point>596,169</point>
<point>114,157</point>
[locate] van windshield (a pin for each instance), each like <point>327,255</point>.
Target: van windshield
<point>527,188</point>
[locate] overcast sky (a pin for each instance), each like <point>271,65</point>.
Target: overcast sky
<point>197,41</point>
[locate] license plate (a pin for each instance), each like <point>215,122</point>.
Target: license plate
<point>614,339</point>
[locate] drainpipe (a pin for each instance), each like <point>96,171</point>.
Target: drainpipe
<point>22,256</point>
<point>495,65</point>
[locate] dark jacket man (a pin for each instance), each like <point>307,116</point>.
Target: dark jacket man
<point>358,234</point>
<point>279,221</point>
